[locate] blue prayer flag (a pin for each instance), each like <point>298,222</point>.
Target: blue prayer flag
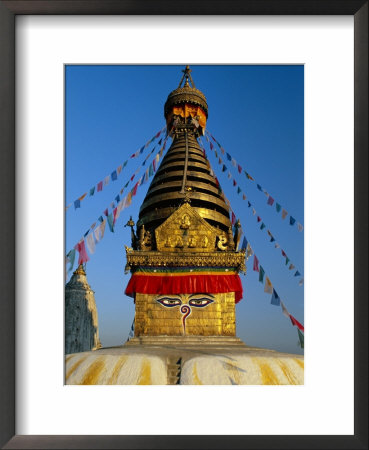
<point>142,149</point>
<point>77,204</point>
<point>117,198</point>
<point>101,219</point>
<point>249,204</point>
<point>86,233</point>
<point>292,220</point>
<point>275,299</point>
<point>297,273</point>
<point>110,222</point>
<point>244,243</point>
<point>229,157</point>
<point>92,191</point>
<point>114,175</point>
<point>224,168</point>
<point>259,187</point>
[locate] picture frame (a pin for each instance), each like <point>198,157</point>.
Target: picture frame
<point>8,12</point>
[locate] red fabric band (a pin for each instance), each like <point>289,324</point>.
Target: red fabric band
<point>185,284</point>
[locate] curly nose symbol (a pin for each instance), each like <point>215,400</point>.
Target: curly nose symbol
<point>186,311</point>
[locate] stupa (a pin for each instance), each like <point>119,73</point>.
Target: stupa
<point>183,257</point>
<point>185,264</point>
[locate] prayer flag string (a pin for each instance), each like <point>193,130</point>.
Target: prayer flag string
<point>114,174</point>
<point>288,263</point>
<point>270,200</point>
<point>94,234</point>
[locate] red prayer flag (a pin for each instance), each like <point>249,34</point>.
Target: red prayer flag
<point>296,323</point>
<point>106,212</point>
<point>233,218</point>
<point>234,182</point>
<point>157,134</point>
<point>99,186</point>
<point>211,145</point>
<point>80,247</point>
<point>256,264</point>
<point>258,218</point>
<point>270,200</point>
<point>115,215</point>
<point>239,168</point>
<point>283,253</point>
<point>134,190</point>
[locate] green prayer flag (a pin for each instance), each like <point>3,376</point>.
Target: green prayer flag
<point>287,260</point>
<point>261,274</point>
<point>278,207</point>
<point>301,338</point>
<point>262,226</point>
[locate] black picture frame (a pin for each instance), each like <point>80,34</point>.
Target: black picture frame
<point>8,11</point>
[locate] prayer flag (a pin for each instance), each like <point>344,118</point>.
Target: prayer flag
<point>86,233</point>
<point>82,196</point>
<point>262,226</point>
<point>90,243</point>
<point>134,190</point>
<point>106,180</point>
<point>292,220</point>
<point>99,186</point>
<point>287,260</point>
<point>244,243</point>
<point>278,207</point>
<point>115,211</point>
<point>101,219</point>
<point>249,204</point>
<point>106,211</point>
<point>253,211</point>
<point>70,258</point>
<point>229,157</point>
<point>261,274</point>
<point>77,204</point>
<point>275,299</point>
<point>211,145</point>
<point>256,264</point>
<point>234,182</point>
<point>284,310</point>
<point>284,214</point>
<point>268,288</point>
<point>154,164</point>
<point>299,226</point>
<point>222,150</point>
<point>114,175</point>
<point>81,249</point>
<point>234,163</point>
<point>110,222</point>
<point>301,337</point>
<point>220,160</point>
<point>68,206</point>
<point>283,253</point>
<point>224,168</point>
<point>127,184</point>
<point>93,226</point>
<point>258,219</point>
<point>159,143</point>
<point>233,218</point>
<point>270,200</point>
<point>297,273</point>
<point>92,191</point>
<point>132,177</point>
<point>259,187</point>
<point>291,267</point>
<point>239,168</point>
<point>249,251</point>
<point>229,175</point>
<point>119,169</point>
<point>276,245</point>
<point>158,134</point>
<point>301,282</point>
<point>244,197</point>
<point>125,163</point>
<point>151,171</point>
<point>117,198</point>
<point>157,157</point>
<point>296,323</point>
<point>272,239</point>
<point>238,190</point>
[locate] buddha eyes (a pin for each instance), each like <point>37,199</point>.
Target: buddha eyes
<point>196,302</point>
<point>170,302</point>
<point>200,302</point>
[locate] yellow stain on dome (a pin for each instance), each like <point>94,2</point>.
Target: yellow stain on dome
<point>196,378</point>
<point>300,362</point>
<point>145,375</point>
<point>67,359</point>
<point>117,368</point>
<point>267,374</point>
<point>287,373</point>
<point>75,366</point>
<point>93,372</point>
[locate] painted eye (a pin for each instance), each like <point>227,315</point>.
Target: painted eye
<point>200,302</point>
<point>169,302</point>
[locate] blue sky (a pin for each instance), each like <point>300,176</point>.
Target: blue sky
<point>257,115</point>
